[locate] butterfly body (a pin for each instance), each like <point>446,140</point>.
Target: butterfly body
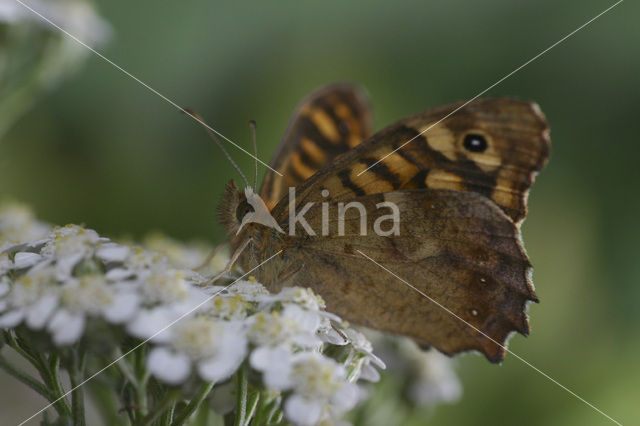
<point>460,189</point>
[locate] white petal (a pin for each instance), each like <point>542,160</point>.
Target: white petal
<point>153,323</point>
<point>4,287</point>
<point>333,337</point>
<point>301,411</point>
<point>66,328</point>
<point>112,252</point>
<point>123,308</point>
<point>118,274</point>
<point>65,265</point>
<point>376,360</point>
<point>172,368</point>
<point>263,357</point>
<point>12,318</point>
<point>217,369</point>
<point>275,364</point>
<point>370,373</point>
<point>39,312</point>
<point>196,299</point>
<point>346,397</point>
<point>306,320</point>
<point>306,340</point>
<point>25,260</point>
<point>231,353</point>
<point>330,316</point>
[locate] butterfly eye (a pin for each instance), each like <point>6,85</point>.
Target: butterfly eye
<point>243,208</point>
<point>474,142</point>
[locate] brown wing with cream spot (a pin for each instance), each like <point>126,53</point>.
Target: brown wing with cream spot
<point>327,123</point>
<point>493,147</point>
<point>458,248</point>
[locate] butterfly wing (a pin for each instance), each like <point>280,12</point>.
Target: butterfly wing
<point>517,147</point>
<point>327,123</point>
<point>457,248</point>
<point>460,210</point>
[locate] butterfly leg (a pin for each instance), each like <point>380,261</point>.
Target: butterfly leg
<point>290,273</point>
<point>210,256</point>
<point>232,261</point>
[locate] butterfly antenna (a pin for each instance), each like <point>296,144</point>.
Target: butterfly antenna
<point>217,141</point>
<point>252,124</point>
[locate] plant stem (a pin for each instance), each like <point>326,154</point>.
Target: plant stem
<point>167,416</point>
<point>49,375</point>
<point>158,409</point>
<point>193,405</point>
<point>241,405</point>
<point>76,375</point>
<point>252,405</point>
<point>13,342</point>
<point>142,378</point>
<point>25,378</point>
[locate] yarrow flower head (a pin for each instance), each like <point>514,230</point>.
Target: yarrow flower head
<point>70,280</point>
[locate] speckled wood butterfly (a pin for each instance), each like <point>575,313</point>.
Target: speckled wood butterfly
<point>461,188</point>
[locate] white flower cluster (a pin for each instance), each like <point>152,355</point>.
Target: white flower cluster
<point>69,278</point>
<point>76,16</point>
<point>428,376</point>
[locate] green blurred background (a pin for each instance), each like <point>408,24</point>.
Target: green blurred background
<point>102,150</point>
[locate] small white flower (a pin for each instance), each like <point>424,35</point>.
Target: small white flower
<point>89,295</point>
<point>320,390</point>
<point>70,239</point>
<point>363,345</point>
<point>180,255</point>
<point>228,307</point>
<point>294,325</point>
<point>75,15</point>
<point>140,260</point>
<point>167,286</point>
<point>17,222</point>
<point>436,381</point>
<point>215,348</point>
<point>32,296</point>
<point>250,291</point>
<point>69,245</point>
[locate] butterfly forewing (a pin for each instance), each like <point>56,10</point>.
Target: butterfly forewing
<point>327,123</point>
<point>517,147</point>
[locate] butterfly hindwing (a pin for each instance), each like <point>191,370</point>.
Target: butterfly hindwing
<point>459,249</point>
<point>327,123</point>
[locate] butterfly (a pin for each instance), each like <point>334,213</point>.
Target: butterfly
<point>461,192</point>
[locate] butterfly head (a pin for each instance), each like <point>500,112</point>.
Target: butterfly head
<point>241,208</point>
